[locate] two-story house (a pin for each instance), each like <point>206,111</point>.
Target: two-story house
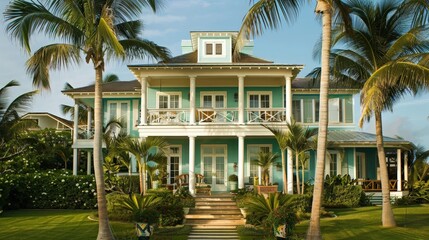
<point>210,106</point>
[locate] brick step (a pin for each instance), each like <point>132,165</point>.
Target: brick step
<point>213,216</point>
<point>215,222</point>
<point>214,211</point>
<point>219,204</point>
<point>226,207</point>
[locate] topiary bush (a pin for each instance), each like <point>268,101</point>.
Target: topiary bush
<point>51,189</point>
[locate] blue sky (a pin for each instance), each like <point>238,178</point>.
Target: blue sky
<point>291,44</point>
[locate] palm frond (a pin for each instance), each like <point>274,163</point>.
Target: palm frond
<point>141,49</point>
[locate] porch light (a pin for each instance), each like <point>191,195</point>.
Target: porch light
<point>235,167</point>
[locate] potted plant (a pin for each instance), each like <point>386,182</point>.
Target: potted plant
<point>265,161</point>
<point>145,220</point>
<point>188,203</point>
<point>233,182</point>
<point>155,181</point>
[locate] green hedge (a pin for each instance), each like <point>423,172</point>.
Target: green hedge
<point>51,189</point>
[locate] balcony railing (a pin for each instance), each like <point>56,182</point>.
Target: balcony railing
<point>264,115</point>
<point>215,116</point>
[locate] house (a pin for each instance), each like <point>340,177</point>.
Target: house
<point>210,106</point>
<point>47,120</point>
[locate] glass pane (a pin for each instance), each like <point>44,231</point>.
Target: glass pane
<point>254,101</point>
<point>264,149</point>
<point>349,110</point>
<point>220,173</point>
<point>333,165</point>
<point>207,101</point>
<point>174,101</point>
<point>316,110</point>
<point>209,49</point>
<point>308,110</point>
<point>207,150</point>
<point>219,101</point>
<point>124,115</point>
<point>219,150</point>
<point>174,150</point>
<point>265,101</point>
<point>208,170</point>
<point>296,110</point>
<point>113,115</point>
<point>334,104</point>
<point>218,49</point>
<point>163,101</point>
<point>174,168</point>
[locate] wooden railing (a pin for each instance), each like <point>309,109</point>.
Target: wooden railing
<point>217,115</point>
<point>168,116</point>
<point>375,185</point>
<point>263,115</point>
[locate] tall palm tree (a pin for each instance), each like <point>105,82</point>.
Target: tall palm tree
<point>419,166</point>
<point>101,30</point>
<point>268,14</point>
<point>10,122</point>
<point>142,149</point>
<point>386,55</point>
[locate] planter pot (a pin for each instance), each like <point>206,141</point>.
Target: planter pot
<point>267,189</point>
<point>243,212</point>
<point>233,186</point>
<point>144,230</point>
<point>280,231</point>
<point>186,210</point>
<point>155,184</point>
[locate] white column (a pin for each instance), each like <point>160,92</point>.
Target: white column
<point>192,165</point>
<point>240,162</point>
<point>143,111</point>
<point>88,133</point>
<point>399,170</point>
<point>289,171</point>
<point>192,100</point>
<point>75,132</point>
<point>288,94</point>
<point>241,99</point>
<point>406,167</point>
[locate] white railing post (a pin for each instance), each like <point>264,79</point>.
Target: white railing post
<point>192,99</point>
<point>192,165</point>
<point>240,162</point>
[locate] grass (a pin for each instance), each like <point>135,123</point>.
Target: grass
<point>350,224</point>
<point>67,224</point>
<point>365,223</point>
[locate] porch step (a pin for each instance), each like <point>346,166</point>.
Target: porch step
<point>213,233</point>
<point>215,222</point>
<point>213,216</point>
<point>215,203</point>
<point>214,211</point>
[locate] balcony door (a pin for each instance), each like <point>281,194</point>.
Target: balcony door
<point>214,166</point>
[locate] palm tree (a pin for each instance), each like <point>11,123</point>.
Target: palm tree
<point>282,140</point>
<point>268,14</point>
<point>389,58</point>
<point>10,122</point>
<point>142,149</point>
<point>101,30</point>
<point>419,166</point>
<point>265,160</point>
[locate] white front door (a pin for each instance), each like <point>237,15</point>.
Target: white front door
<point>214,166</point>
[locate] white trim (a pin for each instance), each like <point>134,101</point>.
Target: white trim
<point>179,154</point>
<point>168,94</point>
<point>259,93</point>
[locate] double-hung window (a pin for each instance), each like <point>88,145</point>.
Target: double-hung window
<point>168,100</point>
<point>119,111</point>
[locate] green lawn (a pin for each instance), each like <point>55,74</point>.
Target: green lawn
<point>364,223</point>
<point>355,223</point>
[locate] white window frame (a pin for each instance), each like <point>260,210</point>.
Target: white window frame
<point>270,146</point>
<point>260,93</point>
<point>204,43</point>
<point>118,103</point>
<point>179,154</point>
<point>339,163</point>
<point>213,95</point>
<point>158,94</point>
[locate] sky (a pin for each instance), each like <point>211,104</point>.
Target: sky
<point>290,44</point>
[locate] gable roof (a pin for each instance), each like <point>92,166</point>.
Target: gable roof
<point>119,86</point>
<point>64,121</point>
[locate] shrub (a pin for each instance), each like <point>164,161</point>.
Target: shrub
<point>343,197</point>
<point>51,189</point>
<point>114,208</point>
<point>171,206</point>
<point>171,215</point>
<point>283,215</point>
<point>146,215</point>
<point>233,178</point>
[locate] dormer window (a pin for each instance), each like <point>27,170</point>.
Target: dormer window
<point>214,48</point>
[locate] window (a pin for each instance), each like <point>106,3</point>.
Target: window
<point>259,100</point>
<point>253,151</point>
<point>316,106</point>
<point>214,48</point>
<point>213,100</point>
<point>296,110</point>
<point>341,110</point>
<point>168,100</point>
<point>118,110</point>
<point>333,164</point>
<point>174,164</point>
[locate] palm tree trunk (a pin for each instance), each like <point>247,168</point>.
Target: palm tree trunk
<point>298,185</point>
<point>104,231</point>
<point>284,171</point>
<point>302,177</point>
<point>314,227</point>
<point>144,177</point>
<point>387,218</point>
<point>141,178</point>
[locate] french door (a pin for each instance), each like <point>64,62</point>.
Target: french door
<point>214,166</point>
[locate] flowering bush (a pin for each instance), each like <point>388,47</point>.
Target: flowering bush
<point>51,189</point>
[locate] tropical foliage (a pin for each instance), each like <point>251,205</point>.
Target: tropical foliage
<point>265,160</point>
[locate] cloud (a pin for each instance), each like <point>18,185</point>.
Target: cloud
<point>162,19</point>
<point>149,33</point>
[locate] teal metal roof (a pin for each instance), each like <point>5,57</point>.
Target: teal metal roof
<point>344,137</point>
